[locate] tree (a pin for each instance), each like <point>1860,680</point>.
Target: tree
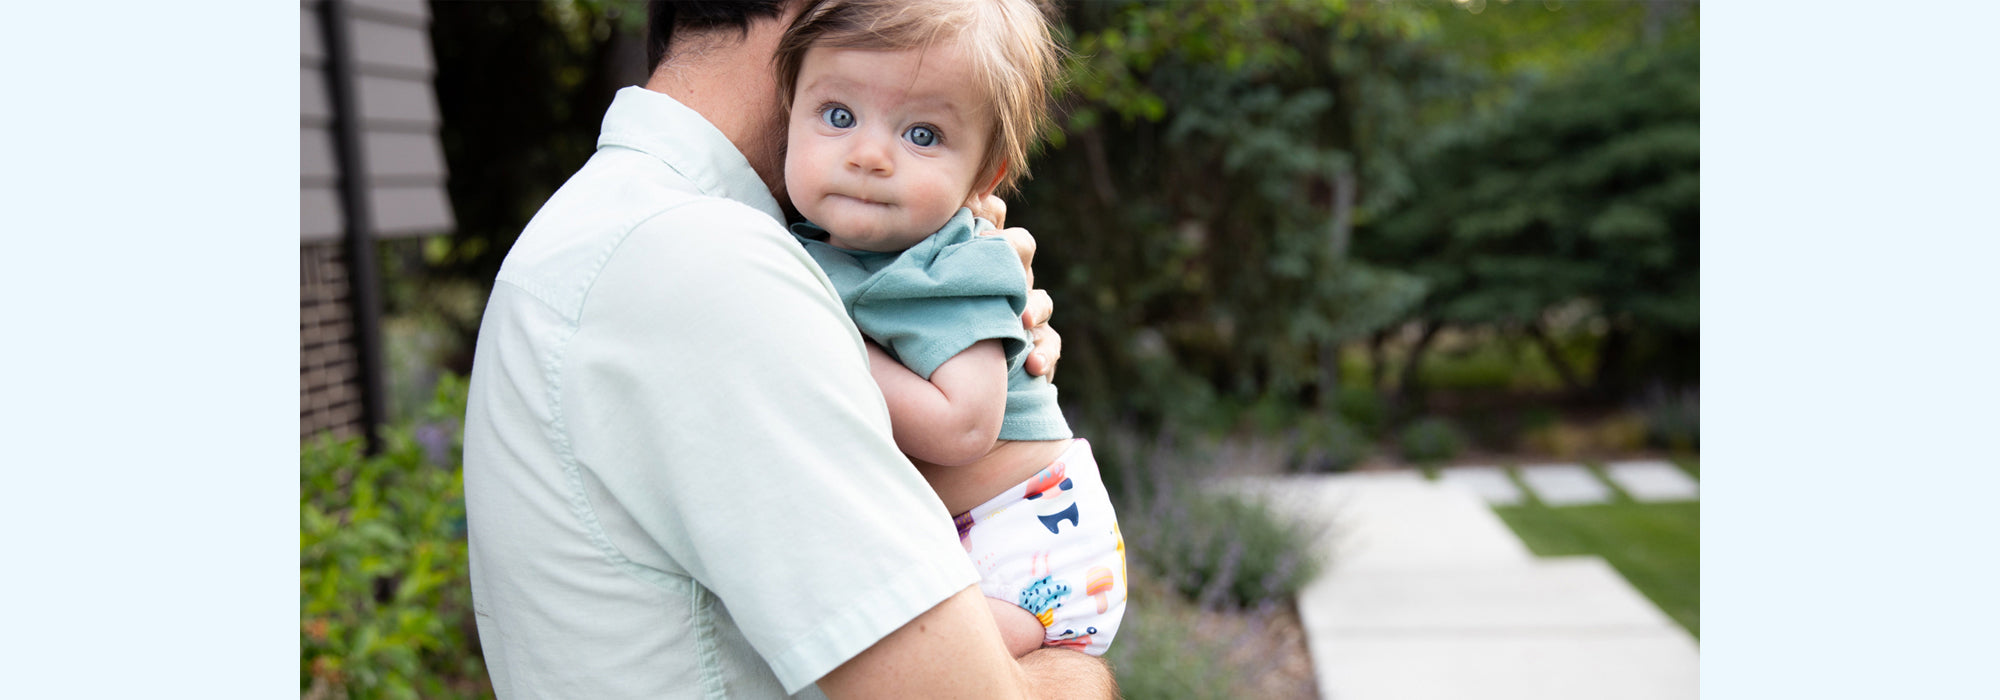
<point>1585,195</point>
<point>1216,158</point>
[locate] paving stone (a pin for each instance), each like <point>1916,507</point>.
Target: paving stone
<point>1565,484</point>
<point>1570,593</point>
<point>1490,483</point>
<point>1430,597</point>
<point>1643,664</point>
<point>1653,481</point>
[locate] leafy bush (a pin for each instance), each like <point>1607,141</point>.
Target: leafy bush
<point>1622,432</point>
<point>384,601</point>
<point>1363,408</point>
<point>1160,653</point>
<point>1328,444</point>
<point>1218,549</point>
<point>1168,649</point>
<point>1561,440</point>
<point>1431,439</point>
<point>1673,420</point>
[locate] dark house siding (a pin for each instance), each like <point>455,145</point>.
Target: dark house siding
<point>390,71</point>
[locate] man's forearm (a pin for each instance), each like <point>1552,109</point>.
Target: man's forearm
<point>1066,673</point>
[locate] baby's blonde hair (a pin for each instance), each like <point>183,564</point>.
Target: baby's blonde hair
<point>1014,56</point>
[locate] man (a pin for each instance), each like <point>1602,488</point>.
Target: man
<point>680,479</point>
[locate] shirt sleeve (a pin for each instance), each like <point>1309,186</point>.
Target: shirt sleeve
<point>729,408</point>
<point>926,309</point>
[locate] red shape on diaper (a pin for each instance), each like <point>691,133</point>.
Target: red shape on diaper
<point>1055,477</point>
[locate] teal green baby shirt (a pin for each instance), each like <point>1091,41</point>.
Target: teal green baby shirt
<point>930,302</point>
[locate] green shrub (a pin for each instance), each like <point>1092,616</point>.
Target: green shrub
<point>1218,549</point>
<point>1363,408</point>
<point>1430,440</point>
<point>1328,444</point>
<point>1161,652</point>
<point>1673,420</point>
<point>384,600</point>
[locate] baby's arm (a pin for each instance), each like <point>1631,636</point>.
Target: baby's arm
<point>954,418</point>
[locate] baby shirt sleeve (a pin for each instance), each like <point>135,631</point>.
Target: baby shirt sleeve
<point>938,299</point>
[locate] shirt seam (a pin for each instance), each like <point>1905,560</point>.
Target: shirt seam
<point>579,498</point>
<point>707,653</point>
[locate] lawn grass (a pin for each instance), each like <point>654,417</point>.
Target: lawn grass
<point>1656,546</point>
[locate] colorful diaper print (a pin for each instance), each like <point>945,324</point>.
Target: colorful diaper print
<point>1051,546</point>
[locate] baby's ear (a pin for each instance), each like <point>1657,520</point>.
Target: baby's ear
<point>991,185</point>
<point>986,206</point>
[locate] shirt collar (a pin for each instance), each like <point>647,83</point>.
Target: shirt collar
<point>660,126</point>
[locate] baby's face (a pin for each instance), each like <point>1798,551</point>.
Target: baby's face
<point>883,146</point>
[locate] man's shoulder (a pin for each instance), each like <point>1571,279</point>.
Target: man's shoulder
<point>618,192</point>
<point>616,196</point>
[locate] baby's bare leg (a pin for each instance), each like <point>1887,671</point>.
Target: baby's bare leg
<point>1018,628</point>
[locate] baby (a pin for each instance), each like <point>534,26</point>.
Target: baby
<point>904,116</point>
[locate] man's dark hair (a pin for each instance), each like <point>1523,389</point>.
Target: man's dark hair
<point>665,17</point>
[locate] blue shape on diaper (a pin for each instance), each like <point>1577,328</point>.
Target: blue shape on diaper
<point>1051,521</point>
<point>1043,595</point>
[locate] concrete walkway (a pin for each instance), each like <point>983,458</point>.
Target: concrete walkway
<point>1429,595</point>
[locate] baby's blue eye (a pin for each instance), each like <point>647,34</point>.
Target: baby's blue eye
<point>921,135</point>
<point>837,117</point>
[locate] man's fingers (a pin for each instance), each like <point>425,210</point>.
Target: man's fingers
<point>1024,246</point>
<point>1040,308</point>
<point>990,208</point>
<point>1048,343</point>
<point>1048,349</point>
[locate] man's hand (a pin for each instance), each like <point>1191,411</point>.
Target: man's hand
<point>954,650</point>
<point>1048,344</point>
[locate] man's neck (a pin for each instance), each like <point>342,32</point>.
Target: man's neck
<point>717,76</point>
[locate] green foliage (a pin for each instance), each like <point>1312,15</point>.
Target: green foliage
<point>1216,156</point>
<point>1431,440</point>
<point>1163,654</point>
<point>1673,420</point>
<point>385,608</point>
<point>1363,408</point>
<point>1585,195</point>
<point>1220,550</point>
<point>1329,444</point>
<point>1226,551</point>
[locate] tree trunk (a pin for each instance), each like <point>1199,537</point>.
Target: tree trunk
<point>1555,356</point>
<point>1406,389</point>
<point>1610,361</point>
<point>1343,214</point>
<point>1329,375</point>
<point>1377,361</point>
<point>1343,225</point>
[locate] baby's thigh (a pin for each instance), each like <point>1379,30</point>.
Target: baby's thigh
<point>1018,627</point>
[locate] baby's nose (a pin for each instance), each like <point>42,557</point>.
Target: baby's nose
<point>870,156</point>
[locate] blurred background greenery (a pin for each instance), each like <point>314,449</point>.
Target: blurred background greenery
<point>1352,234</point>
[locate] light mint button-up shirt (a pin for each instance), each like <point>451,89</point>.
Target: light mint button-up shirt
<point>679,477</point>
